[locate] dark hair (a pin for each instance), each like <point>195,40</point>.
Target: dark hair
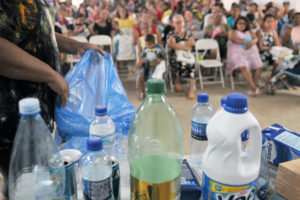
<point>254,4</point>
<point>270,5</point>
<point>118,14</point>
<point>268,16</point>
<point>250,17</point>
<point>242,18</point>
<point>295,15</point>
<point>150,38</point>
<point>167,4</point>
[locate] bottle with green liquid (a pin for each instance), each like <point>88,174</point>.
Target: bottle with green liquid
<point>155,148</point>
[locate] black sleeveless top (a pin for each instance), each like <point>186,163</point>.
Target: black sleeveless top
<point>103,30</point>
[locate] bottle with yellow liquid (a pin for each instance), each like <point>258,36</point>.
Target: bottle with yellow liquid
<point>155,148</point>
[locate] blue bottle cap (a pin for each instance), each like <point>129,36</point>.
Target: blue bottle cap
<point>29,106</point>
<point>101,110</point>
<point>94,144</point>
<point>223,102</point>
<point>202,98</point>
<point>236,103</point>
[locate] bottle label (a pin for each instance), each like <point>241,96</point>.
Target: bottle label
<point>262,192</point>
<point>214,190</point>
<point>199,131</point>
<point>100,190</point>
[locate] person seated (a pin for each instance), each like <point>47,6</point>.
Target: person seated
<point>145,30</point>
<point>80,28</point>
<point>208,19</point>
<point>146,18</point>
<point>267,38</point>
<point>287,25</point>
<point>243,54</point>
<point>235,13</point>
<point>291,38</point>
<point>192,24</point>
<point>124,19</point>
<point>179,39</point>
<point>103,25</point>
<point>152,55</point>
<point>219,31</point>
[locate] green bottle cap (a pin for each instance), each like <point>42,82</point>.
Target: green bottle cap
<point>156,86</point>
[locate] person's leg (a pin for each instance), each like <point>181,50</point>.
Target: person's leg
<point>257,73</point>
<point>248,78</point>
<point>192,88</point>
<point>141,82</point>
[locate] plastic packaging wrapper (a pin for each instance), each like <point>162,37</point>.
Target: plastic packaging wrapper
<point>92,82</point>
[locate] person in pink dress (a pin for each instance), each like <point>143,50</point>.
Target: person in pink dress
<point>243,54</point>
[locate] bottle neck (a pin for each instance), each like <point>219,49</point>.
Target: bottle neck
<point>155,95</point>
<point>34,115</point>
<point>203,103</point>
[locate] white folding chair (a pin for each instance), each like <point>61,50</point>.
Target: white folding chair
<point>126,52</point>
<point>75,58</point>
<point>205,45</point>
<point>102,40</point>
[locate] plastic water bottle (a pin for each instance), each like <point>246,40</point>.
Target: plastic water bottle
<point>96,172</point>
<point>228,172</point>
<point>36,167</point>
<point>262,184</point>
<point>102,126</point>
<point>201,113</point>
<point>155,148</point>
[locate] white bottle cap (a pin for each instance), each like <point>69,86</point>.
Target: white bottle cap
<point>28,106</point>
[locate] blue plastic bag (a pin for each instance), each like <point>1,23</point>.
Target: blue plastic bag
<point>92,82</point>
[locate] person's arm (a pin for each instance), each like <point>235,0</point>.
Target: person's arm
<point>276,38</point>
<point>234,38</point>
<point>158,33</point>
<point>260,44</point>
<point>285,41</point>
<point>261,14</point>
<point>91,29</point>
<point>280,13</point>
<point>17,64</point>
<point>172,44</point>
<point>70,46</point>
<point>190,43</point>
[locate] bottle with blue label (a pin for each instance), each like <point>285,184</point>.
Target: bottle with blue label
<point>201,113</point>
<point>102,126</point>
<point>96,172</point>
<point>228,172</point>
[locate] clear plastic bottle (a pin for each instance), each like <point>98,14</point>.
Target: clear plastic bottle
<point>96,172</point>
<point>102,126</point>
<point>201,113</point>
<point>262,184</point>
<point>36,167</point>
<point>155,148</point>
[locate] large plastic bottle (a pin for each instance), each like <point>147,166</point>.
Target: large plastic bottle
<point>36,167</point>
<point>229,172</point>
<point>155,148</point>
<point>96,172</point>
<point>201,113</point>
<point>102,126</point>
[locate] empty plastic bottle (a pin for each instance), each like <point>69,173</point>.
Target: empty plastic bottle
<point>102,126</point>
<point>36,167</point>
<point>201,113</point>
<point>96,172</point>
<point>262,184</point>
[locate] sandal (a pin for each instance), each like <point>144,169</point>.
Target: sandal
<point>254,94</point>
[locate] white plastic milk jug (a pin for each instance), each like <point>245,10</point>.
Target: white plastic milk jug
<point>230,173</point>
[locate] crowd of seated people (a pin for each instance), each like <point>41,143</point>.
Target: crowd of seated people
<point>245,33</point>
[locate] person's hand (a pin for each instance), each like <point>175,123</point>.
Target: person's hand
<point>84,46</point>
<point>186,48</point>
<point>248,44</point>
<point>59,85</point>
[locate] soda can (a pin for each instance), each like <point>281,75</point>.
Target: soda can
<point>115,178</point>
<point>71,158</point>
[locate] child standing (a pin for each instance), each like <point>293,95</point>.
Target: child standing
<point>152,56</point>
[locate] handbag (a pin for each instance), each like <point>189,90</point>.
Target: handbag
<point>185,56</point>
